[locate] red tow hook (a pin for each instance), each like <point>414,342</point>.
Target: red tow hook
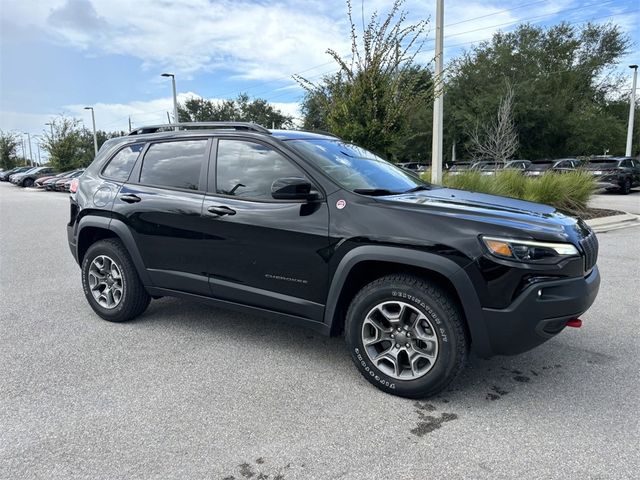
<point>575,323</point>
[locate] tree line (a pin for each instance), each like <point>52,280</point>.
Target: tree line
<point>535,92</point>
<point>531,93</point>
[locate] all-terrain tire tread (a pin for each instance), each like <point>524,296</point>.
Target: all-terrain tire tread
<point>137,299</point>
<point>444,301</point>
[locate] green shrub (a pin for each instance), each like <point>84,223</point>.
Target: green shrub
<point>565,191</point>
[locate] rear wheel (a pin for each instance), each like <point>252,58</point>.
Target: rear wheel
<point>406,336</point>
<point>111,283</point>
<point>626,186</point>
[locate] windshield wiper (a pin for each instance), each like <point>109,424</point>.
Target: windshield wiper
<point>374,192</point>
<point>417,189</point>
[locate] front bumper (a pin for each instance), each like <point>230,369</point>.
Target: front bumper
<point>533,317</point>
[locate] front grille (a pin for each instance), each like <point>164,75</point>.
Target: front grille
<point>589,246</point>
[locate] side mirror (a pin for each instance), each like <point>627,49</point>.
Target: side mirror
<point>292,188</point>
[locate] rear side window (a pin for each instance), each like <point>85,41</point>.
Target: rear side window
<point>174,164</point>
<point>121,164</point>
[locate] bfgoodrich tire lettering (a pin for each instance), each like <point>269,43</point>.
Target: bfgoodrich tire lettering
<point>444,341</point>
<point>133,299</point>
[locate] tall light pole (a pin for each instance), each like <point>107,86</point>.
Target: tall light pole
<point>51,125</point>
<point>632,110</point>
<point>438,102</point>
<point>30,154</point>
<point>38,140</point>
<point>175,97</point>
<point>24,149</point>
<point>95,137</point>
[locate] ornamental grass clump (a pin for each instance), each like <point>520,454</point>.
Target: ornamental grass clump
<point>569,192</point>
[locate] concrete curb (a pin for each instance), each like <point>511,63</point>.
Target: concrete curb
<point>614,222</point>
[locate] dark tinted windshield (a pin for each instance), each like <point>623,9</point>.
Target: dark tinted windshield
<point>541,166</point>
<point>355,168</point>
<point>603,164</point>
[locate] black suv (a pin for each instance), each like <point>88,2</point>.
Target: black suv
<point>311,229</point>
<point>615,173</point>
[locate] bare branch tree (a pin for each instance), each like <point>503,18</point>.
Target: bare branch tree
<point>497,140</point>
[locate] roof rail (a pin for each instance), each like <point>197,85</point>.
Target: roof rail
<point>254,127</point>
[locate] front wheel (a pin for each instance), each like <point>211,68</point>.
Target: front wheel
<point>406,336</point>
<point>111,283</point>
<point>28,183</point>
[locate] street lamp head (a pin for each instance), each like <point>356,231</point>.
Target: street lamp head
<point>88,108</point>
<point>633,66</point>
<point>166,75</point>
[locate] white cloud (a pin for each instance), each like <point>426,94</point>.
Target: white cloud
<point>115,116</point>
<point>248,40</point>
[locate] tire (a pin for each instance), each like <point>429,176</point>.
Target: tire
<point>416,301</point>
<point>121,294</point>
<point>28,182</point>
<point>626,186</point>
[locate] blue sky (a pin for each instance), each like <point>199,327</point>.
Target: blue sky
<point>61,55</point>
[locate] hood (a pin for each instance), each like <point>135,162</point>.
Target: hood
<point>506,214</point>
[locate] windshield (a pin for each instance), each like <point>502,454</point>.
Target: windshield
<point>603,164</point>
<point>541,166</point>
<point>355,168</point>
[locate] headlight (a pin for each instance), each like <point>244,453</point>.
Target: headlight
<point>528,250</point>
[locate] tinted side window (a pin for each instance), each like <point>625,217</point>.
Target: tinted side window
<point>121,164</point>
<point>174,164</point>
<point>626,164</point>
<point>247,169</point>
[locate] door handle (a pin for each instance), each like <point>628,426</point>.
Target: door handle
<point>131,198</point>
<point>221,210</point>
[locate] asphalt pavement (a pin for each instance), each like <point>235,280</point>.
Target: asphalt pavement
<point>193,392</point>
<point>614,201</point>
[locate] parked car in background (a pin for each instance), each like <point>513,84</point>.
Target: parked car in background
<point>13,176</point>
<point>560,165</point>
<point>50,184</point>
<point>39,183</point>
<point>464,165</point>
<point>4,176</point>
<point>616,173</point>
<point>28,178</point>
<point>62,185</point>
<point>457,167</point>
<point>414,166</point>
<point>66,186</point>
<point>492,168</point>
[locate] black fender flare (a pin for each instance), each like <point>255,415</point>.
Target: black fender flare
<point>121,229</point>
<point>429,261</point>
<point>124,234</point>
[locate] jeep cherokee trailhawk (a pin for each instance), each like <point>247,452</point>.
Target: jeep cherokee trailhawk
<point>309,228</point>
